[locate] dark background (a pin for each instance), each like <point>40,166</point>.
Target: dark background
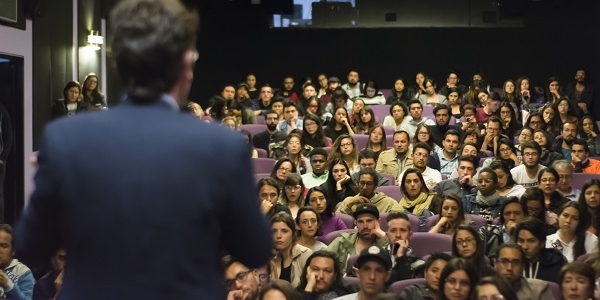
<point>235,38</point>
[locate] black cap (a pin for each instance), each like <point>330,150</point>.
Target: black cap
<point>243,84</point>
<point>366,208</point>
<point>333,79</point>
<point>374,252</point>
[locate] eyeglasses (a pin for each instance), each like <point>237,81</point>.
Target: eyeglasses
<point>530,154</point>
<point>504,149</point>
<point>468,241</point>
<point>293,187</point>
<point>506,262</point>
<point>454,282</point>
<point>240,277</point>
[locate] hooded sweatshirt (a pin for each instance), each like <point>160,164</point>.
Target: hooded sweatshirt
<point>547,267</point>
<point>382,201</point>
<point>22,282</point>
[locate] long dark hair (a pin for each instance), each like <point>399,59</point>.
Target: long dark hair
<point>580,230</point>
<point>501,284</point>
<point>507,142</point>
<point>535,194</point>
<point>337,270</point>
<point>461,211</point>
<point>430,142</point>
<point>458,264</point>
<point>234,104</point>
<point>97,96</point>
<point>478,257</point>
<point>329,207</point>
<point>596,216</point>
<point>580,130</point>
<point>424,188</point>
<point>310,209</point>
<point>499,164</point>
<point>318,140</point>
<point>331,183</point>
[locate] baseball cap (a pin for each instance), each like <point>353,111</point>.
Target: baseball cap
<point>374,253</point>
<point>243,84</point>
<point>333,79</point>
<point>366,208</point>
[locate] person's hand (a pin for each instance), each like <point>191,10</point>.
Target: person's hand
<point>311,278</point>
<point>266,206</point>
<point>443,221</point>
<point>345,121</point>
<point>526,93</point>
<point>583,106</point>
<point>547,119</point>
<point>237,295</point>
<point>514,157</point>
<point>402,249</point>
<point>58,282</point>
<point>487,138</point>
<point>510,227</point>
<point>467,179</point>
<point>377,230</point>
<point>575,159</point>
<point>343,180</point>
<point>358,200</point>
<point>506,121</point>
<point>4,280</point>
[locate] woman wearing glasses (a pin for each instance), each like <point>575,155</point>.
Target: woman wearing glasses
<point>548,182</point>
<point>293,193</point>
<point>467,245</point>
<point>456,280</point>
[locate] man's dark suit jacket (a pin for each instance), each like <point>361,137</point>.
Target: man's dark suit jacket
<point>144,199</point>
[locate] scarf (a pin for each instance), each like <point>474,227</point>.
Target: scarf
<point>487,200</point>
<point>329,296</point>
<point>421,203</point>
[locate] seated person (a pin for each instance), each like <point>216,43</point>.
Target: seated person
<point>48,287</point>
<point>397,159</point>
<point>572,238</point>
<point>405,265</point>
<point>268,194</point>
<point>366,160</point>
<point>317,198</point>
<point>509,265</point>
<point>308,224</point>
<point>467,245</point>
<point>493,236</point>
<point>16,280</point>
<point>486,203</point>
<point>415,109</point>
<point>240,281</point>
<point>367,234</point>
<point>548,182</point>
<point>373,271</point>
<point>580,158</point>
<point>463,183</point>
<point>433,268</point>
<point>322,277</point>
<point>290,257</point>
<point>318,163</point>
<point>534,204</point>
<point>420,158</point>
<point>417,199</point>
<point>367,185</point>
<point>452,215</point>
<point>541,262</point>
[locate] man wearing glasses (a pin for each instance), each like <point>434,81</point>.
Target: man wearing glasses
<point>367,183</point>
<point>509,265</point>
<point>526,174</point>
<point>240,282</point>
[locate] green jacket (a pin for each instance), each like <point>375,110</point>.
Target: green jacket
<point>345,245</point>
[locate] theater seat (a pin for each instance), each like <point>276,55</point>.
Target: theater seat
<point>424,243</point>
<point>263,165</point>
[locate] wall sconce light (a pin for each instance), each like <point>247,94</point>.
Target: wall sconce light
<point>95,40</point>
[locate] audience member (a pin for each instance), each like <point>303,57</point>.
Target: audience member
<point>430,97</point>
<point>308,225</point>
<point>240,281</point>
<point>456,280</point>
<point>367,234</point>
<point>371,94</point>
<point>293,193</point>
<point>377,141</point>
<point>527,173</point>
<point>463,183</point>
<point>322,277</point>
<point>264,100</point>
<point>16,280</point>
<point>432,270</point>
<point>268,194</point>
<point>294,149</point>
<point>271,135</point>
<point>281,170</point>
<point>365,122</point>
<point>577,281</point>
<point>48,287</point>
<point>290,119</point>
<point>490,140</point>
<point>534,202</point>
<point>291,257</point>
<point>353,87</point>
<point>372,268</point>
<point>542,263</point>
<point>420,158</point>
<point>506,184</point>
<point>451,216</point>
<point>404,264</point>
<point>318,164</point>
<point>416,197</point>
<point>494,287</point>
<point>493,236</point>
<point>366,160</point>
<point>487,202</point>
<point>366,186</point>
<point>339,185</point>
<point>329,222</point>
<point>401,93</point>
<point>339,124</point>
<point>344,148</point>
<point>466,244</point>
<point>553,200</point>
<point>448,155</point>
<point>396,160</point>
<point>588,130</point>
<point>398,116</point>
<point>313,135</point>
<point>91,93</point>
<point>415,109</point>
<point>71,103</point>
<point>590,199</point>
<point>563,144</point>
<point>572,238</point>
<point>581,161</point>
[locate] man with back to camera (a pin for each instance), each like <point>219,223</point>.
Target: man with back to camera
<point>109,211</point>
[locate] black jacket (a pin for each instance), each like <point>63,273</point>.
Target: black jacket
<point>547,267</point>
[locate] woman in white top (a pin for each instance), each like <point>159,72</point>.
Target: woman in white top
<point>308,224</point>
<point>430,97</point>
<point>398,116</point>
<point>507,187</point>
<point>572,237</point>
<point>372,96</point>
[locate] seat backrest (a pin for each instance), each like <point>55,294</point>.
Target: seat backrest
<point>391,191</point>
<point>327,149</point>
<point>260,119</point>
<point>488,153</point>
<point>452,121</point>
<point>388,130</point>
<point>263,165</point>
<point>328,238</point>
<point>262,153</point>
<point>391,178</point>
<point>481,160</point>
<point>398,286</point>
<point>259,176</point>
<point>254,128</point>
<point>361,141</point>
<point>380,111</point>
<point>347,219</point>
<point>389,140</point>
<point>428,111</point>
<point>423,243</point>
<point>350,264</point>
<point>479,220</point>
<point>579,179</point>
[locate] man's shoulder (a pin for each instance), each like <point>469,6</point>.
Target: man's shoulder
<point>389,153</point>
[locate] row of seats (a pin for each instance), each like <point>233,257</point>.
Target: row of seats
<point>399,286</point>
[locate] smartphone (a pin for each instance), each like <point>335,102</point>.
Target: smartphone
<point>395,248</point>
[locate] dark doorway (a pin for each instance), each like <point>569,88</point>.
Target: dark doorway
<point>12,132</point>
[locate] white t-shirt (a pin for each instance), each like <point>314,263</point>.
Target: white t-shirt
<point>348,297</point>
<point>519,174</point>
<point>431,177</point>
<point>591,244</point>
